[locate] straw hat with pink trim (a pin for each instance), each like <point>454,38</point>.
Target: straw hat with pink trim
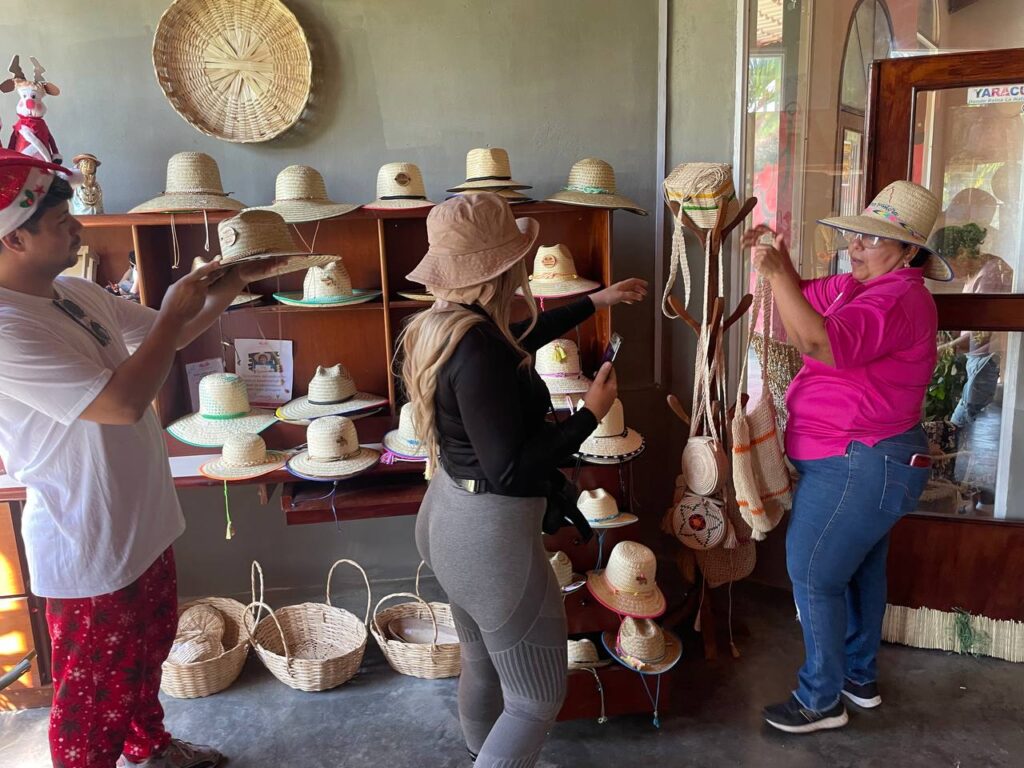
<point>627,584</point>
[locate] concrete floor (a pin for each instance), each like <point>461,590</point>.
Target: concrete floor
<point>940,710</point>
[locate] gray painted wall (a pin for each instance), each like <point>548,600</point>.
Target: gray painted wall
<point>550,80</point>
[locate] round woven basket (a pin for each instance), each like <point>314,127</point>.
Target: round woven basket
<point>430,661</point>
<point>310,646</point>
<point>236,71</point>
<point>203,678</point>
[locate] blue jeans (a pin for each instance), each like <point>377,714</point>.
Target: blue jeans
<point>979,389</point>
<point>836,548</point>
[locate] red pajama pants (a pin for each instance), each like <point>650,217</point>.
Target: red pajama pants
<point>107,656</point>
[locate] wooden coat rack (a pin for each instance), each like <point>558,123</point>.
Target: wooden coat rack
<point>718,327</point>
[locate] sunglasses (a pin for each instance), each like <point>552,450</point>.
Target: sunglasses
<point>867,241</point>
<point>76,313</point>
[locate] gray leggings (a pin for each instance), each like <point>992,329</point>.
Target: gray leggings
<point>487,554</point>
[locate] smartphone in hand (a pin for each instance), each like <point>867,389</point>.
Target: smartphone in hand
<point>611,351</point>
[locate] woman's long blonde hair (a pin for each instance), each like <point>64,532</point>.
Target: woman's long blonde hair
<point>431,336</point>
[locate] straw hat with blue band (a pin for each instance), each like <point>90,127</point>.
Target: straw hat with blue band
<point>905,212</point>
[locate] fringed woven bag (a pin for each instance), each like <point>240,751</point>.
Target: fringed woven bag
<point>760,476</point>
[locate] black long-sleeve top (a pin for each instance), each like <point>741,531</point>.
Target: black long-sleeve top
<point>491,412</point>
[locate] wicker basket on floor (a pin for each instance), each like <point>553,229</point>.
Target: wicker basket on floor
<point>310,646</point>
<point>203,678</point>
<point>430,661</point>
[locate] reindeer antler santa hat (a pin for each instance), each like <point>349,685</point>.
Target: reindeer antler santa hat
<point>24,181</point>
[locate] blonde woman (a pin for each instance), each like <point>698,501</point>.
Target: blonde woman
<point>481,409</point>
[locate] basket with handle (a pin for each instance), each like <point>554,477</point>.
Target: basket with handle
<point>203,678</point>
<point>430,661</point>
<point>309,646</point>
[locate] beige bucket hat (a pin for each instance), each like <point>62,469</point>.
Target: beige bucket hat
<point>583,655</point>
<point>568,580</point>
<point>333,451</point>
<point>602,510</point>
<point>558,365</point>
<point>591,183</point>
<point>903,211</point>
<point>472,240</point>
<point>627,584</point>
<point>224,410</point>
<point>259,235</point>
<point>612,442</point>
<point>643,646</point>
<point>332,392</point>
<point>403,442</point>
<point>327,286</point>
<point>193,184</point>
<point>488,168</point>
<point>243,457</point>
<point>300,195</point>
<point>399,186</point>
<point>554,274</point>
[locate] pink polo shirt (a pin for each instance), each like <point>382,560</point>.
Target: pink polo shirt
<point>883,340</point>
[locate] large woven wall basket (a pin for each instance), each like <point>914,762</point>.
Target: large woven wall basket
<point>239,71</point>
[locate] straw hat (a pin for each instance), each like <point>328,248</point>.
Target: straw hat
<point>258,235</point>
<point>592,183</point>
<point>612,440</point>
<point>568,581</point>
<point>700,190</point>
<point>327,286</point>
<point>583,655</point>
<point>300,195</point>
<point>224,410</point>
<point>903,211</point>
<point>472,240</point>
<point>193,184</point>
<point>412,296</point>
<point>244,298</point>
<point>602,511</point>
<point>332,392</point>
<point>400,185</point>
<point>554,274</point>
<point>244,456</point>
<point>627,584</point>
<point>333,451</point>
<point>513,197</point>
<point>643,646</point>
<point>403,441</point>
<point>558,365</point>
<point>488,168</point>
<point>699,522</point>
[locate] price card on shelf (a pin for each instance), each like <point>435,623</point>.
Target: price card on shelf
<point>195,371</point>
<point>266,365</point>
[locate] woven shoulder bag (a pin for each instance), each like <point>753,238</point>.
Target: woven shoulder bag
<point>760,475</point>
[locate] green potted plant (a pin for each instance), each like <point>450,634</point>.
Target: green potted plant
<point>940,401</point>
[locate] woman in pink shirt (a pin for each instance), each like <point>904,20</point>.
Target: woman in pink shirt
<point>854,435</point>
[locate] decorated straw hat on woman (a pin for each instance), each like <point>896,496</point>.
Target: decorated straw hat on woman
<point>481,408</point>
<point>854,435</point>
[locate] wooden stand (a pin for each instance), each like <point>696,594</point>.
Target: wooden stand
<point>719,322</point>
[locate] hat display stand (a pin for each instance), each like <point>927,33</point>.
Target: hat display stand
<point>710,400</point>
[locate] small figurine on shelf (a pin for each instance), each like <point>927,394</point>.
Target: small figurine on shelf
<point>30,134</point>
<point>88,197</point>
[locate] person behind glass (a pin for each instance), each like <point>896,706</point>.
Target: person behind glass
<point>480,409</point>
<point>868,345</point>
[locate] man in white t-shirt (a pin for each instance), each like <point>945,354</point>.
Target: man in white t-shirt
<point>80,368</point>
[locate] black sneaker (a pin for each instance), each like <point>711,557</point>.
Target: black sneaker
<point>793,717</point>
<point>865,696</point>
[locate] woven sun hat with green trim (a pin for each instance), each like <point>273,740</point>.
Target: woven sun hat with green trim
<point>300,195</point>
<point>193,184</point>
<point>905,212</point>
<point>399,186</point>
<point>327,286</point>
<point>224,410</point>
<point>488,169</point>
<point>591,183</point>
<point>333,451</point>
<point>554,274</point>
<point>643,646</point>
<point>700,190</point>
<point>332,392</point>
<point>243,457</point>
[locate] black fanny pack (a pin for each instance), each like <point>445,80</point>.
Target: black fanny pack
<point>561,508</point>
